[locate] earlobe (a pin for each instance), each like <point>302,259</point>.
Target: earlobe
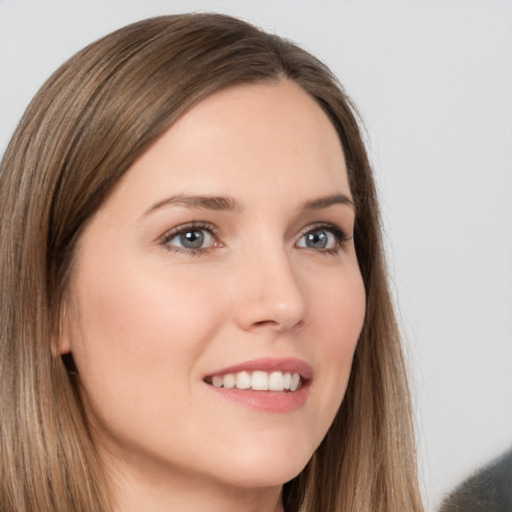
<point>69,363</point>
<point>63,345</point>
<point>63,342</point>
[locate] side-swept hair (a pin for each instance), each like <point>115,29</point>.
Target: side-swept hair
<point>86,126</point>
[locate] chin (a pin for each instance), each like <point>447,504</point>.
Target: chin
<point>257,478</point>
<point>259,470</point>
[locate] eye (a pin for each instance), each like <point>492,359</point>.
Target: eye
<point>193,238</point>
<point>327,238</point>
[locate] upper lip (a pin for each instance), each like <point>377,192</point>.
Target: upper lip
<point>289,364</point>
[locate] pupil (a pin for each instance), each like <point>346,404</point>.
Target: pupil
<point>317,240</point>
<point>192,239</point>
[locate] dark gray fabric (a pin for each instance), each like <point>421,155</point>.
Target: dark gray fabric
<point>488,490</point>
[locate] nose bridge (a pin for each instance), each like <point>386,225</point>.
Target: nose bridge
<point>270,292</point>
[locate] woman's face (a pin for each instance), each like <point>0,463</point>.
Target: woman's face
<point>224,257</point>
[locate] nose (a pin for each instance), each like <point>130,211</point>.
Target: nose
<point>270,295</point>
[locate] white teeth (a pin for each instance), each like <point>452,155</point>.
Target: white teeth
<point>258,381</point>
<point>229,380</point>
<point>295,382</point>
<point>218,381</point>
<point>276,381</point>
<point>243,380</point>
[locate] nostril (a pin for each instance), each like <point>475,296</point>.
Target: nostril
<point>265,323</point>
<point>276,325</point>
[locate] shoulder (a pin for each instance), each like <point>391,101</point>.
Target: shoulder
<point>488,490</point>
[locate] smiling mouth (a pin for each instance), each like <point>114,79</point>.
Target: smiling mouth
<point>286,382</point>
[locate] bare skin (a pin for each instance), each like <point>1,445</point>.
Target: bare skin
<point>225,249</point>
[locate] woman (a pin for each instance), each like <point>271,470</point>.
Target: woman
<point>195,313</point>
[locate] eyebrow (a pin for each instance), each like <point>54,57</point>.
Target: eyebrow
<point>216,203</point>
<point>229,204</point>
<point>325,202</point>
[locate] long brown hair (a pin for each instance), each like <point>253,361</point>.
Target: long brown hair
<point>87,125</point>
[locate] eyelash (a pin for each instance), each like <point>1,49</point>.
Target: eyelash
<point>340,237</point>
<point>186,228</point>
<point>339,234</point>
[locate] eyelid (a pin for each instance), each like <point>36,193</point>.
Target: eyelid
<point>190,226</point>
<point>338,232</point>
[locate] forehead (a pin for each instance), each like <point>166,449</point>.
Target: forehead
<point>245,139</point>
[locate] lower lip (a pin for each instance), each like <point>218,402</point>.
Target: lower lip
<point>269,401</point>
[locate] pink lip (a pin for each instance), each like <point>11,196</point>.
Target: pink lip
<point>269,401</point>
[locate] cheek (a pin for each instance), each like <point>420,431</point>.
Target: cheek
<point>340,313</point>
<point>346,310</point>
<point>138,334</point>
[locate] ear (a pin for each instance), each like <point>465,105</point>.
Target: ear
<point>63,342</point>
<point>62,345</point>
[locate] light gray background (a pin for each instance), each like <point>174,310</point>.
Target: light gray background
<point>434,83</point>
